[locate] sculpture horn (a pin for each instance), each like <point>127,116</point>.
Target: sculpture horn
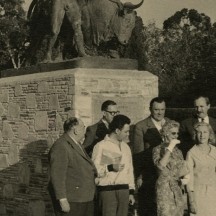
<point>131,6</point>
<point>31,9</point>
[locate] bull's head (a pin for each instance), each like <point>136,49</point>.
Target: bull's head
<point>125,22</point>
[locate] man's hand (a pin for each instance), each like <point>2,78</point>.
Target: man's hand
<point>185,179</point>
<point>139,182</point>
<point>192,202</point>
<point>131,199</point>
<point>118,167</point>
<point>65,206</point>
<point>193,207</point>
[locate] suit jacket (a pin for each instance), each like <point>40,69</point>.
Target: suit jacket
<point>72,172</point>
<point>187,131</point>
<point>94,134</point>
<point>146,137</point>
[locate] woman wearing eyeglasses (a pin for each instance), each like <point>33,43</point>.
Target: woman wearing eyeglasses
<point>201,161</point>
<point>172,172</point>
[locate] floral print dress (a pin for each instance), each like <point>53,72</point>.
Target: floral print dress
<point>169,199</point>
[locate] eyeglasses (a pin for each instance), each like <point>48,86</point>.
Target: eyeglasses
<point>175,133</point>
<point>113,113</point>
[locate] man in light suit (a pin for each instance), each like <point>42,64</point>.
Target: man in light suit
<point>146,137</point>
<point>96,132</point>
<point>201,107</point>
<point>72,172</point>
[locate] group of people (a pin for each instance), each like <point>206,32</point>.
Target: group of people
<point>95,172</point>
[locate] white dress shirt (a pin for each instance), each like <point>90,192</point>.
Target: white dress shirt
<point>206,119</point>
<point>107,151</point>
<point>158,124</point>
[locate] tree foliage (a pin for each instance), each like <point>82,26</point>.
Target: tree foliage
<point>13,33</point>
<point>182,55</point>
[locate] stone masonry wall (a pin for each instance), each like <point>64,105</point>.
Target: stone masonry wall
<point>32,111</point>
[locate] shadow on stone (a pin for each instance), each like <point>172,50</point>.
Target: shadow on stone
<point>23,185</point>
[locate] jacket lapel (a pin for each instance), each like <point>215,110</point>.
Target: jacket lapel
<point>152,125</point>
<point>78,148</point>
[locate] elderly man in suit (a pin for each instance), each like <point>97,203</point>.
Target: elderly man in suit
<point>96,132</point>
<point>72,172</point>
<point>201,107</point>
<point>146,137</point>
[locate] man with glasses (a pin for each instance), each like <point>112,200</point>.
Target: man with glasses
<point>96,132</point>
<point>146,137</point>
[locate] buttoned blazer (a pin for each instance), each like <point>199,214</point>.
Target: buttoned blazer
<point>187,132</point>
<point>94,134</point>
<point>146,135</point>
<point>72,172</point>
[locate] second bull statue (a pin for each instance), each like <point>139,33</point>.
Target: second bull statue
<point>92,21</point>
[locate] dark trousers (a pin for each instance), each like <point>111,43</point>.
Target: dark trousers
<point>146,201</point>
<point>114,203</point>
<point>78,209</point>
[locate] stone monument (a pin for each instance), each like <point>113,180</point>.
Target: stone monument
<point>34,103</point>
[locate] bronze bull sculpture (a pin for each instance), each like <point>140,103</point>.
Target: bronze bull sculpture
<point>92,21</point>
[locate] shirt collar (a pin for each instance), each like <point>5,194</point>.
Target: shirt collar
<point>105,122</point>
<point>73,139</point>
<point>158,124</point>
<point>112,140</point>
<point>206,119</point>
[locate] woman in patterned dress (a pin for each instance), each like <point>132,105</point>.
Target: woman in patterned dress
<point>201,161</point>
<point>172,172</point>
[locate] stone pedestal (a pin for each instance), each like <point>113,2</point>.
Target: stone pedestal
<point>131,89</point>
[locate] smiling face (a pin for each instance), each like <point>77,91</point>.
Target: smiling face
<point>158,110</point>
<point>201,107</point>
<point>202,134</point>
<point>172,134</point>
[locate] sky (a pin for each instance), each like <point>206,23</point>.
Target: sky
<point>160,10</point>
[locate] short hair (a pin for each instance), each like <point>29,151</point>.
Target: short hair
<point>118,122</point>
<point>156,99</point>
<point>70,123</point>
<point>169,125</point>
<point>211,132</point>
<point>204,97</point>
<point>107,103</point>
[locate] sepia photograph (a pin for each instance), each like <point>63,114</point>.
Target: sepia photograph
<point>107,108</point>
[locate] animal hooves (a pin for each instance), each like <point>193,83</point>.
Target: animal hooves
<point>46,61</point>
<point>83,55</point>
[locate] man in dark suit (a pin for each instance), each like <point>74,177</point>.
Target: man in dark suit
<point>201,107</point>
<point>146,137</point>
<point>72,172</point>
<point>96,132</point>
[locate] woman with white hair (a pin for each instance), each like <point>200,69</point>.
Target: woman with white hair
<point>172,172</point>
<point>201,161</point>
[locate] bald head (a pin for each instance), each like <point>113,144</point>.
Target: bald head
<point>75,128</point>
